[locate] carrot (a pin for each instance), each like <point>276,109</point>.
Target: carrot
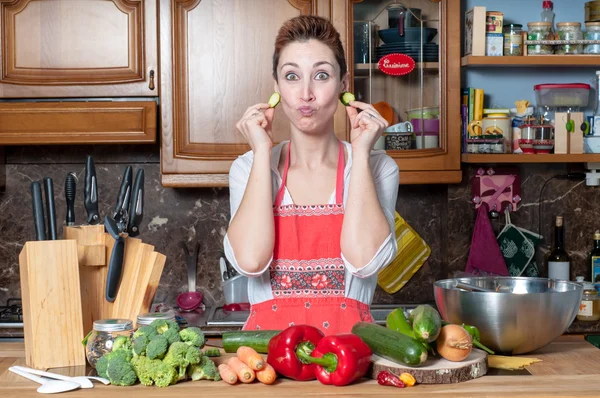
<point>243,372</point>
<point>227,374</point>
<point>250,357</point>
<point>266,375</point>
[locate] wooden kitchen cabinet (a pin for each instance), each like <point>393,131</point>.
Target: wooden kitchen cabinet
<point>216,61</point>
<point>64,51</point>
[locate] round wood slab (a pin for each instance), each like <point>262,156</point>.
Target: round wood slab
<point>437,370</point>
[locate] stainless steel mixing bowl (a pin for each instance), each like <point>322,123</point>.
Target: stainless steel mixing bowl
<point>523,315</point>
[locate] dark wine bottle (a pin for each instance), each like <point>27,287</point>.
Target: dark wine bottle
<point>559,262</point>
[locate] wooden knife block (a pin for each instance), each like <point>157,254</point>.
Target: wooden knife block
<point>52,317</point>
<point>142,268</point>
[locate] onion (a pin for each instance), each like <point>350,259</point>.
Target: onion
<point>454,343</point>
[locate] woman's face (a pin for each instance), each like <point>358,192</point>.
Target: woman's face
<point>309,83</point>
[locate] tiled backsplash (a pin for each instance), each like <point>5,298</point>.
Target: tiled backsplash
<point>442,215</point>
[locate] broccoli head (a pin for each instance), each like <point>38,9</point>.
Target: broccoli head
<point>143,369</point>
<point>192,336</point>
<point>101,366</point>
<point>179,356</point>
<point>162,325</point>
<point>139,345</point>
<point>172,336</point>
<point>205,370</point>
<point>122,343</point>
<point>157,347</point>
<point>147,330</point>
<point>103,361</point>
<point>120,372</point>
<point>163,374</point>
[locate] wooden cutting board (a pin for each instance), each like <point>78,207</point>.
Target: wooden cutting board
<point>437,371</point>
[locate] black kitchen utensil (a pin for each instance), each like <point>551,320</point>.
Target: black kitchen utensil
<point>120,213</point>
<point>115,266</point>
<point>50,207</point>
<point>70,190</point>
<point>38,211</point>
<point>90,192</point>
<point>137,204</point>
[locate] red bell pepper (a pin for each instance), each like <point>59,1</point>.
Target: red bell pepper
<point>288,349</point>
<point>340,360</point>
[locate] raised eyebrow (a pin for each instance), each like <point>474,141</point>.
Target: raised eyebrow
<point>290,64</point>
<point>317,64</point>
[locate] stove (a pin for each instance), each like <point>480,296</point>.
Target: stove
<point>11,319</point>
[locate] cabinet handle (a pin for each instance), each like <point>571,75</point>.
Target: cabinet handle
<point>151,84</point>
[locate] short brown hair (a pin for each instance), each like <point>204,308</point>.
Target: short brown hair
<point>304,28</point>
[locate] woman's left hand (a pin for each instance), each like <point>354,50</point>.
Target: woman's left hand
<point>366,126</point>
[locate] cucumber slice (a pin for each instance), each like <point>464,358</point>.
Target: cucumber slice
<point>274,100</point>
<point>347,98</point>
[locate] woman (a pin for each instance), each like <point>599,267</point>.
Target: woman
<point>312,256</point>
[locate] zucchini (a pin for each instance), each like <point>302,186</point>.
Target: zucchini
<point>390,344</point>
<point>274,99</point>
<point>426,323</point>
<point>347,98</point>
<point>396,320</point>
<point>257,339</point>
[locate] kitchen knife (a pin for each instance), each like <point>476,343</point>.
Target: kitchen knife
<point>38,211</point>
<point>90,192</point>
<point>115,266</point>
<point>50,207</point>
<point>136,211</point>
<point>70,189</point>
<point>122,206</point>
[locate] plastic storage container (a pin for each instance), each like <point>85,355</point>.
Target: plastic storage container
<point>235,290</point>
<point>100,341</point>
<point>562,95</point>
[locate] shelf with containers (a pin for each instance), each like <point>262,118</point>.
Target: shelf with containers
<point>506,79</point>
<point>418,102</point>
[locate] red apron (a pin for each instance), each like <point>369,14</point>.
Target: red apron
<point>307,272</point>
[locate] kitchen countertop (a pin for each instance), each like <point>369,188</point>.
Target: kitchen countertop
<point>570,368</point>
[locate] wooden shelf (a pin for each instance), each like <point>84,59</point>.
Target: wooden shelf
<point>521,158</point>
<point>532,60</point>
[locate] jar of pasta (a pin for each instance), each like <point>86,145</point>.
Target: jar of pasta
<point>592,32</point>
<point>569,31</point>
<point>540,31</point>
<point>589,309</point>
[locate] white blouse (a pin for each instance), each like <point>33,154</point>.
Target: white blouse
<point>360,283</point>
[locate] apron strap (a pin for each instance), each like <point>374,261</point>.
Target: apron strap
<point>339,185</point>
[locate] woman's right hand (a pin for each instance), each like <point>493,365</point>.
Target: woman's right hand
<point>256,126</point>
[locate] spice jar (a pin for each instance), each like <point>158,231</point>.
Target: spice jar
<point>592,32</point>
<point>589,310</point>
<point>104,334</point>
<point>513,40</point>
<point>539,31</point>
<point>147,319</point>
<point>569,31</point>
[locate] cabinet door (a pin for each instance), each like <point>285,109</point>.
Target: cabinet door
<point>78,48</point>
<point>424,103</point>
<point>216,61</point>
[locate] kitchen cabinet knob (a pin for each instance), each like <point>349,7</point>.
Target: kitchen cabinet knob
<point>151,84</point>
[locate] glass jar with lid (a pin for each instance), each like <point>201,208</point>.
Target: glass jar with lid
<point>513,40</point>
<point>589,310</point>
<point>147,319</point>
<point>569,31</point>
<point>101,339</point>
<point>592,32</point>
<point>540,31</point>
